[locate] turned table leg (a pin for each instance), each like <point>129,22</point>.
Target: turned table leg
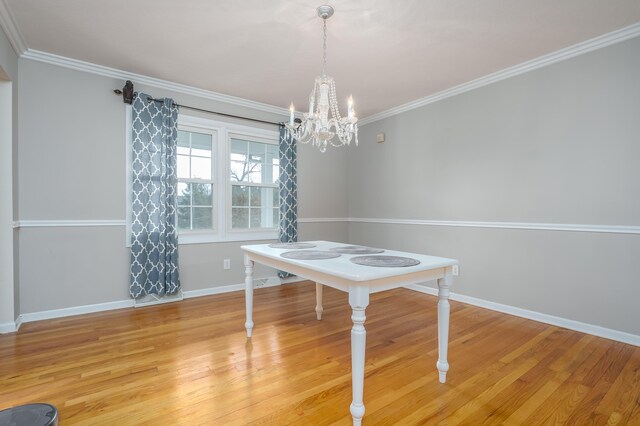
<point>248,293</point>
<point>444,285</point>
<point>319,301</point>
<point>358,299</point>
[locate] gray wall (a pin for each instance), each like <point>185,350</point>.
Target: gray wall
<point>72,167</point>
<point>556,145</point>
<point>9,292</point>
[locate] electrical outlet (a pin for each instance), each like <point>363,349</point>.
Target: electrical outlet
<point>455,270</point>
<point>227,264</point>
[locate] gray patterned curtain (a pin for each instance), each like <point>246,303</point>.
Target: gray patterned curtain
<point>154,239</point>
<point>288,191</point>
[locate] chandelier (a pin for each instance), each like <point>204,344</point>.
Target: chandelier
<point>316,126</point>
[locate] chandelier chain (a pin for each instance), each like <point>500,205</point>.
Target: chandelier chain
<point>324,48</point>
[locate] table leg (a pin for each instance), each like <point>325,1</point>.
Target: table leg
<point>444,285</point>
<point>359,300</point>
<point>319,301</point>
<point>248,293</point>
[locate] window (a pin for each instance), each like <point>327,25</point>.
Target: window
<point>227,181</point>
<point>253,172</point>
<point>196,185</point>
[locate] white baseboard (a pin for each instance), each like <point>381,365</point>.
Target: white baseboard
<point>212,290</point>
<point>9,327</point>
<point>607,333</point>
<point>75,310</point>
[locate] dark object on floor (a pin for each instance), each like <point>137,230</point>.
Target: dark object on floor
<point>30,415</point>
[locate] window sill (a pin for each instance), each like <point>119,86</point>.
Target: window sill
<point>204,238</point>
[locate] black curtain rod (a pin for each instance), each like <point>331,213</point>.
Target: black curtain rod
<point>128,94</point>
<point>149,99</point>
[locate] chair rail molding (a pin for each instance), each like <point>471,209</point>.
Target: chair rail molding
<point>535,226</point>
<point>567,227</point>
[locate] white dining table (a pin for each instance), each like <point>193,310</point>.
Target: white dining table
<point>359,281</point>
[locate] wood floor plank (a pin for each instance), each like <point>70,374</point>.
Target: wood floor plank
<point>190,363</point>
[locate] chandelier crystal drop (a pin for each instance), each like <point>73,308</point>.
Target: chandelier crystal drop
<point>316,126</point>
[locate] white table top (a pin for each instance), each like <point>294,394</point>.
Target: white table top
<point>342,267</point>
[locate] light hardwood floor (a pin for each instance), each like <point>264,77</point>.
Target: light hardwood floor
<point>189,363</point>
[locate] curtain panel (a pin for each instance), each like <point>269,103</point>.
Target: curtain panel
<point>154,238</point>
<point>288,231</point>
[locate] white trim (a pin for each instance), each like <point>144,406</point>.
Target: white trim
<point>18,322</point>
<point>213,290</point>
<point>120,304</point>
<point>610,229</point>
<point>595,330</point>
<point>567,227</point>
<point>154,299</point>
<point>205,238</point>
<point>76,310</point>
<point>9,327</point>
<point>10,27</point>
<point>323,219</point>
<point>50,58</point>
<point>67,223</point>
<point>542,61</point>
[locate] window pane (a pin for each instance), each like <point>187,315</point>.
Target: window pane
<point>183,167</point>
<point>239,218</point>
<point>256,196</point>
<point>256,218</point>
<point>272,165</point>
<point>239,195</point>
<point>183,142</point>
<point>272,154</point>
<point>276,198</point>
<point>276,218</point>
<point>184,218</point>
<point>201,144</point>
<point>238,148</point>
<point>202,217</point>
<point>254,173</point>
<point>257,152</point>
<point>200,168</point>
<point>184,194</point>
<point>245,171</point>
<point>202,194</point>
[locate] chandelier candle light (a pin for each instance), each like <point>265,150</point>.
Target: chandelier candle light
<point>316,126</point>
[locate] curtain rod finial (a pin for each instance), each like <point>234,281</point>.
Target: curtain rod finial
<point>127,92</point>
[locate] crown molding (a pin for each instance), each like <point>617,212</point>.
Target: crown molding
<point>10,27</point>
<point>599,42</point>
<point>75,64</point>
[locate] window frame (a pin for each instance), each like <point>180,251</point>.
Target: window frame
<point>249,137</point>
<point>222,181</point>
<point>222,186</point>
<point>213,181</point>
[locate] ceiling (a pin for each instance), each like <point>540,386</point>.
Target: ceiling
<point>386,53</point>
